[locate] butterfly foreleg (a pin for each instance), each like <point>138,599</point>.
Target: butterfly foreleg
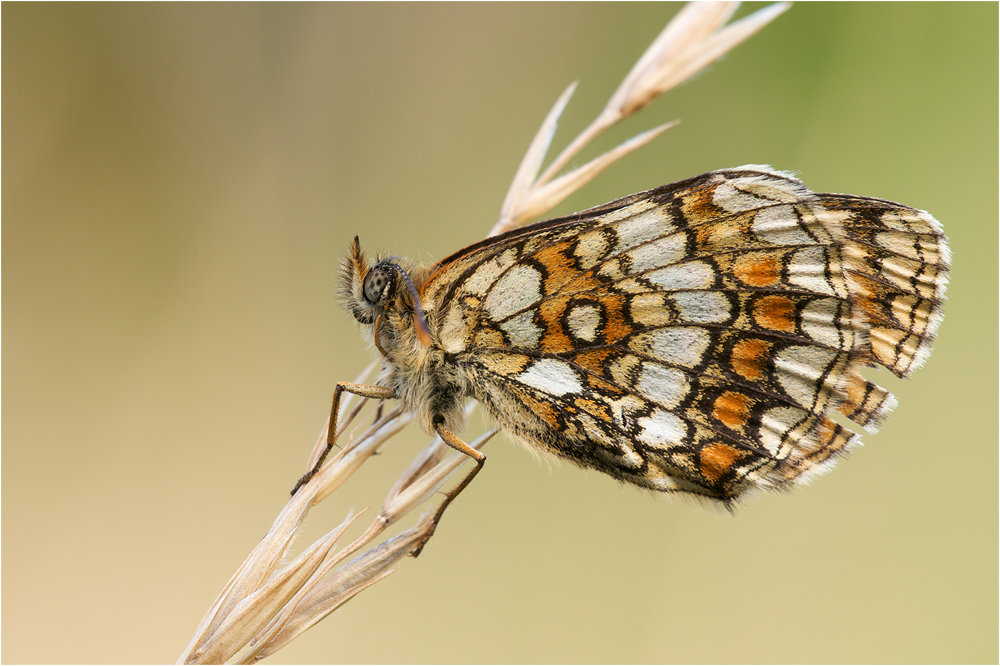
<point>452,440</point>
<point>363,390</point>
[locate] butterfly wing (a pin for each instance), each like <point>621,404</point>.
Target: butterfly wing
<point>695,337</point>
<point>898,262</point>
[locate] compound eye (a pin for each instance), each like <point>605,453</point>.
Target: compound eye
<point>375,283</point>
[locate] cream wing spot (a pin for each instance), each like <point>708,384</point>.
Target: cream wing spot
<point>677,345</point>
<point>820,321</point>
<point>807,269</point>
<point>799,370</point>
<point>702,307</point>
<point>486,274</point>
<point>922,222</point>
<point>591,248</point>
<point>611,269</point>
<point>505,363</point>
<point>642,227</point>
<point>660,252</point>
<point>903,244</point>
<point>521,330</point>
<point>661,428</point>
<point>903,272</point>
<point>622,368</point>
<point>454,331</point>
<point>779,225</point>
<point>665,386</point>
<point>551,376</point>
<point>649,310</point>
<point>766,183</point>
<point>519,288</point>
<point>727,197</point>
<point>584,321</point>
<point>775,424</point>
<point>688,275</point>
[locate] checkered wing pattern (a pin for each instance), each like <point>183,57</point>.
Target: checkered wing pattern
<point>696,337</point>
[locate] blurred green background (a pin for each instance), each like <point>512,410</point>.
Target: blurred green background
<point>179,182</point>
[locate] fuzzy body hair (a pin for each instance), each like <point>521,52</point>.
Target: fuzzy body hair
<point>418,373</point>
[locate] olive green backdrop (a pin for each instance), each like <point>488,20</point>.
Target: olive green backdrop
<point>179,182</point>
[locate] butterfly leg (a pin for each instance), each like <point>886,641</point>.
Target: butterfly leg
<point>365,391</point>
<point>454,442</point>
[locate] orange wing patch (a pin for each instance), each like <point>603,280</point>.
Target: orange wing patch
<point>748,358</point>
<point>757,271</point>
<point>717,460</point>
<point>732,409</point>
<point>776,313</point>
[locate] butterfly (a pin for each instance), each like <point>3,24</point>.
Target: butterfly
<point>695,338</point>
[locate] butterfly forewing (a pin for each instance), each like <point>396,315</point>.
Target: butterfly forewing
<point>697,336</point>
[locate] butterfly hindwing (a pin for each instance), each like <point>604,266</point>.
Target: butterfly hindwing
<point>697,336</point>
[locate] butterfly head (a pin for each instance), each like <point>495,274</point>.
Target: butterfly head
<point>382,289</point>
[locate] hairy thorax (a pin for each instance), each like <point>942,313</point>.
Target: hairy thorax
<point>423,381</point>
